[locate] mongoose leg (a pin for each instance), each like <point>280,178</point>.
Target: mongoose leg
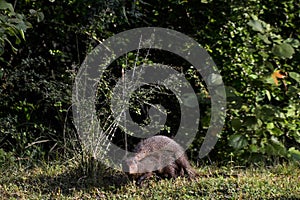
<point>144,177</point>
<point>170,171</point>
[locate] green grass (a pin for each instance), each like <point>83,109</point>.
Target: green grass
<point>66,181</point>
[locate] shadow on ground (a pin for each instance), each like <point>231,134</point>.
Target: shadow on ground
<point>75,180</point>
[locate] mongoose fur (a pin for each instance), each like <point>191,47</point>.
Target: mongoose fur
<point>160,155</point>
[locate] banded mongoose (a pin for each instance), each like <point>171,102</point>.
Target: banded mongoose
<point>160,155</point>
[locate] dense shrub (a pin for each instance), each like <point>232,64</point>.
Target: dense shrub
<point>255,45</point>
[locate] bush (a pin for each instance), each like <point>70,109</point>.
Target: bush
<point>255,45</point>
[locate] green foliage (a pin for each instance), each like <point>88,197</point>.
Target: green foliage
<point>6,158</point>
<point>255,45</point>
<point>264,114</point>
<point>12,27</point>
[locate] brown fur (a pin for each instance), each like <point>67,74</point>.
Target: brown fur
<point>158,155</point>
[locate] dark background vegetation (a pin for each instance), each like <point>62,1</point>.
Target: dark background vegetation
<point>254,43</point>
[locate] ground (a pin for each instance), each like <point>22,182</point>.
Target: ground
<point>64,180</point>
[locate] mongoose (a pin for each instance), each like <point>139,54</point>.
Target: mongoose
<point>160,155</point>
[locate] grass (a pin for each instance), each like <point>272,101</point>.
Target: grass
<point>66,181</point>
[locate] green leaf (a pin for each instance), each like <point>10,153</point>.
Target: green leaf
<point>294,153</point>
<point>291,111</point>
<point>265,113</point>
<point>1,73</point>
<point>283,50</point>
<point>294,42</point>
<point>256,25</point>
<point>22,26</point>
<point>1,50</point>
<point>268,95</point>
<point>32,11</point>
<point>190,100</point>
<point>40,16</point>
<point>270,125</point>
<point>11,45</point>
<point>276,131</point>
<point>269,80</point>
<point>253,148</point>
<point>264,38</point>
<point>276,141</point>
<point>22,34</point>
<point>238,141</point>
<point>275,147</point>
<point>4,5</point>
<point>250,122</point>
<point>236,124</point>
<point>230,91</point>
<point>253,76</point>
<point>295,76</point>
<point>214,79</point>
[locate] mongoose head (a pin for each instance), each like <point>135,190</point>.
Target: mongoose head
<point>132,165</point>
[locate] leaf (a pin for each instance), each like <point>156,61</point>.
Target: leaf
<point>238,141</point>
<point>1,73</point>
<point>250,122</point>
<point>291,112</point>
<point>253,76</point>
<point>264,38</point>
<point>276,141</point>
<point>294,153</point>
<point>283,50</point>
<point>236,124</point>
<point>1,50</point>
<point>40,16</point>
<point>256,25</point>
<point>294,42</point>
<point>4,5</point>
<point>11,45</point>
<point>22,26</point>
<point>276,131</point>
<point>269,80</point>
<point>265,113</point>
<point>270,125</point>
<point>295,76</point>
<point>253,148</point>
<point>190,100</point>
<point>275,147</point>
<point>214,79</point>
<point>22,34</point>
<point>32,11</point>
<point>268,95</point>
<point>230,91</point>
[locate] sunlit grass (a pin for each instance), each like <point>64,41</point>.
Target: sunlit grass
<point>66,181</point>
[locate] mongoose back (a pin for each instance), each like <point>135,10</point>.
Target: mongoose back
<point>160,155</point>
